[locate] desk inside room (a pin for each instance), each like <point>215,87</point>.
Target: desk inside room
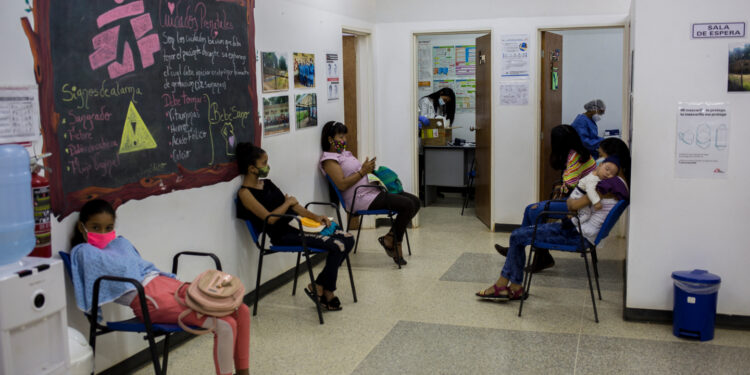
<point>446,166</point>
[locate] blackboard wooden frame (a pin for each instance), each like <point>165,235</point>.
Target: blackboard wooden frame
<point>63,204</point>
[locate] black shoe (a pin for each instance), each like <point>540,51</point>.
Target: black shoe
<point>541,262</point>
<point>502,250</point>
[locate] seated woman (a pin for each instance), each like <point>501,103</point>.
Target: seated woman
<point>97,252</point>
<point>508,286</point>
<point>571,157</point>
<point>348,174</point>
<point>260,197</point>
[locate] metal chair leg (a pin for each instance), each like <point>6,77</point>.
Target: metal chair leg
<point>154,352</point>
<point>257,284</point>
<point>356,242</point>
<point>314,287</point>
<point>296,272</point>
<point>527,278</point>
<point>596,273</point>
<point>351,277</point>
<point>166,354</point>
<point>591,287</point>
<point>408,245</point>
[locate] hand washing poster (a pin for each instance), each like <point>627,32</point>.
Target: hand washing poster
<point>702,149</point>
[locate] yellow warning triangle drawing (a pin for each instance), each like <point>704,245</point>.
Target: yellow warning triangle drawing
<point>135,134</point>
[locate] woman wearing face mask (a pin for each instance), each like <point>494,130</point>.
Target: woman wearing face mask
<point>97,251</point>
<point>439,103</point>
<point>348,174</point>
<point>259,197</point>
<point>585,125</point>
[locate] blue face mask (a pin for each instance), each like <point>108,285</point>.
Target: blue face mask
<point>441,101</point>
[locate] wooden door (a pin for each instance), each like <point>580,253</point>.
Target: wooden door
<point>349,62</point>
<point>483,154</point>
<point>551,104</point>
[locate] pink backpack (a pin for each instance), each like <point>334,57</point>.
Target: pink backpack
<point>213,293</point>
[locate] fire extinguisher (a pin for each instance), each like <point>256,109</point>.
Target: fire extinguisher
<point>42,210</point>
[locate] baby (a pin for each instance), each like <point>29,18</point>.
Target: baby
<point>587,185</point>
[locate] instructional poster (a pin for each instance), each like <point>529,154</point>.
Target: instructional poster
<point>19,114</point>
<point>465,90</point>
<point>466,60</point>
<point>443,60</point>
<point>514,56</point>
<point>424,62</point>
<point>702,149</point>
<point>332,75</point>
<point>514,92</point>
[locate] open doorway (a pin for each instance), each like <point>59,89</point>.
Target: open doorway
<point>452,169</point>
<point>356,94</point>
<point>577,66</point>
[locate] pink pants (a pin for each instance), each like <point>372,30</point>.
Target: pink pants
<point>232,334</point>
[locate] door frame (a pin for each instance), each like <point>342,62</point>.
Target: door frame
<point>365,98</point>
<point>414,103</point>
<point>626,68</point>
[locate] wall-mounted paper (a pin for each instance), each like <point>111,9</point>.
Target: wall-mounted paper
<point>514,56</point>
<point>514,92</point>
<point>702,140</point>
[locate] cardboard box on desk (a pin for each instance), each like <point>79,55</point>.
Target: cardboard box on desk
<point>436,134</point>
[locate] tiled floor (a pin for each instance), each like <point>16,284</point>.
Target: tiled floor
<point>425,319</point>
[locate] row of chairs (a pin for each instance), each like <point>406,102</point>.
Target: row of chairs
<point>153,330</point>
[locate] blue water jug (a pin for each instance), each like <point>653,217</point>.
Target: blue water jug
<point>16,207</point>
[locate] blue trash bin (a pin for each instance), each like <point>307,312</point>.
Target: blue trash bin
<point>695,295</point>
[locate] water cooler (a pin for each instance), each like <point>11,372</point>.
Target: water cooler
<point>33,321</point>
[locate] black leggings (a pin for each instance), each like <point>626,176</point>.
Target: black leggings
<point>338,245</point>
<point>406,206</point>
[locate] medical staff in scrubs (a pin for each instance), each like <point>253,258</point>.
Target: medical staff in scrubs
<point>585,125</point>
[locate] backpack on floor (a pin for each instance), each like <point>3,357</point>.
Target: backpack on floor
<point>213,293</point>
<point>389,179</point>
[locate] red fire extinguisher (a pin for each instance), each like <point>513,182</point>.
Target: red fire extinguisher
<point>42,209</point>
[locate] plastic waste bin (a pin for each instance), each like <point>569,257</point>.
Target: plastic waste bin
<point>695,295</point>
<point>81,355</point>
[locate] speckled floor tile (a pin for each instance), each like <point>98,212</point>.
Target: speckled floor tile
<point>425,318</point>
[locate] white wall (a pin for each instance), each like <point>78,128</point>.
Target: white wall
<point>515,130</point>
<point>463,119</point>
<point>681,224</point>
<point>451,10</point>
<point>592,69</point>
<point>203,218</point>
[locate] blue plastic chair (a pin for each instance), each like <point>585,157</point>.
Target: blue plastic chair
<point>584,247</point>
<point>260,243</point>
<point>152,330</point>
<point>390,213</point>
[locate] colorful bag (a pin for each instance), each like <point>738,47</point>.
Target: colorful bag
<point>389,179</point>
<point>213,293</point>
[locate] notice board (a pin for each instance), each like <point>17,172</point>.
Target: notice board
<point>142,97</point>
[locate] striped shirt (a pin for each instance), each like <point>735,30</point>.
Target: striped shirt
<point>575,170</point>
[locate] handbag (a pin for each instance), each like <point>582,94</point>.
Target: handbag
<point>213,293</point>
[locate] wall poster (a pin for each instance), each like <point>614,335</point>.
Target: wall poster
<point>702,140</point>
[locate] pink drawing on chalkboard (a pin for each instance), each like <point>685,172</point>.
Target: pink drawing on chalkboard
<point>111,43</point>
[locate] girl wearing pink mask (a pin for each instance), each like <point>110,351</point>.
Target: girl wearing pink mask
<point>97,251</point>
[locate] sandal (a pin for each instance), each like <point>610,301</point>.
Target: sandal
<point>496,294</point>
<point>391,251</point>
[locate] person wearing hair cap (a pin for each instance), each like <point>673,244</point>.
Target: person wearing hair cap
<point>585,125</point>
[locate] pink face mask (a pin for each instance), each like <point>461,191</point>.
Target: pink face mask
<point>99,240</point>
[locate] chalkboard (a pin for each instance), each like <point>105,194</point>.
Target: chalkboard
<point>142,97</point>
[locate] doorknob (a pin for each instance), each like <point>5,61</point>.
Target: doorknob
<point>482,58</point>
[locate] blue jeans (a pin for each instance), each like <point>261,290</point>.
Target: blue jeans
<point>531,212</point>
<point>521,237</point>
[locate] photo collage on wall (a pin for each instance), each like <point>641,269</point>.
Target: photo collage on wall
<point>276,69</point>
